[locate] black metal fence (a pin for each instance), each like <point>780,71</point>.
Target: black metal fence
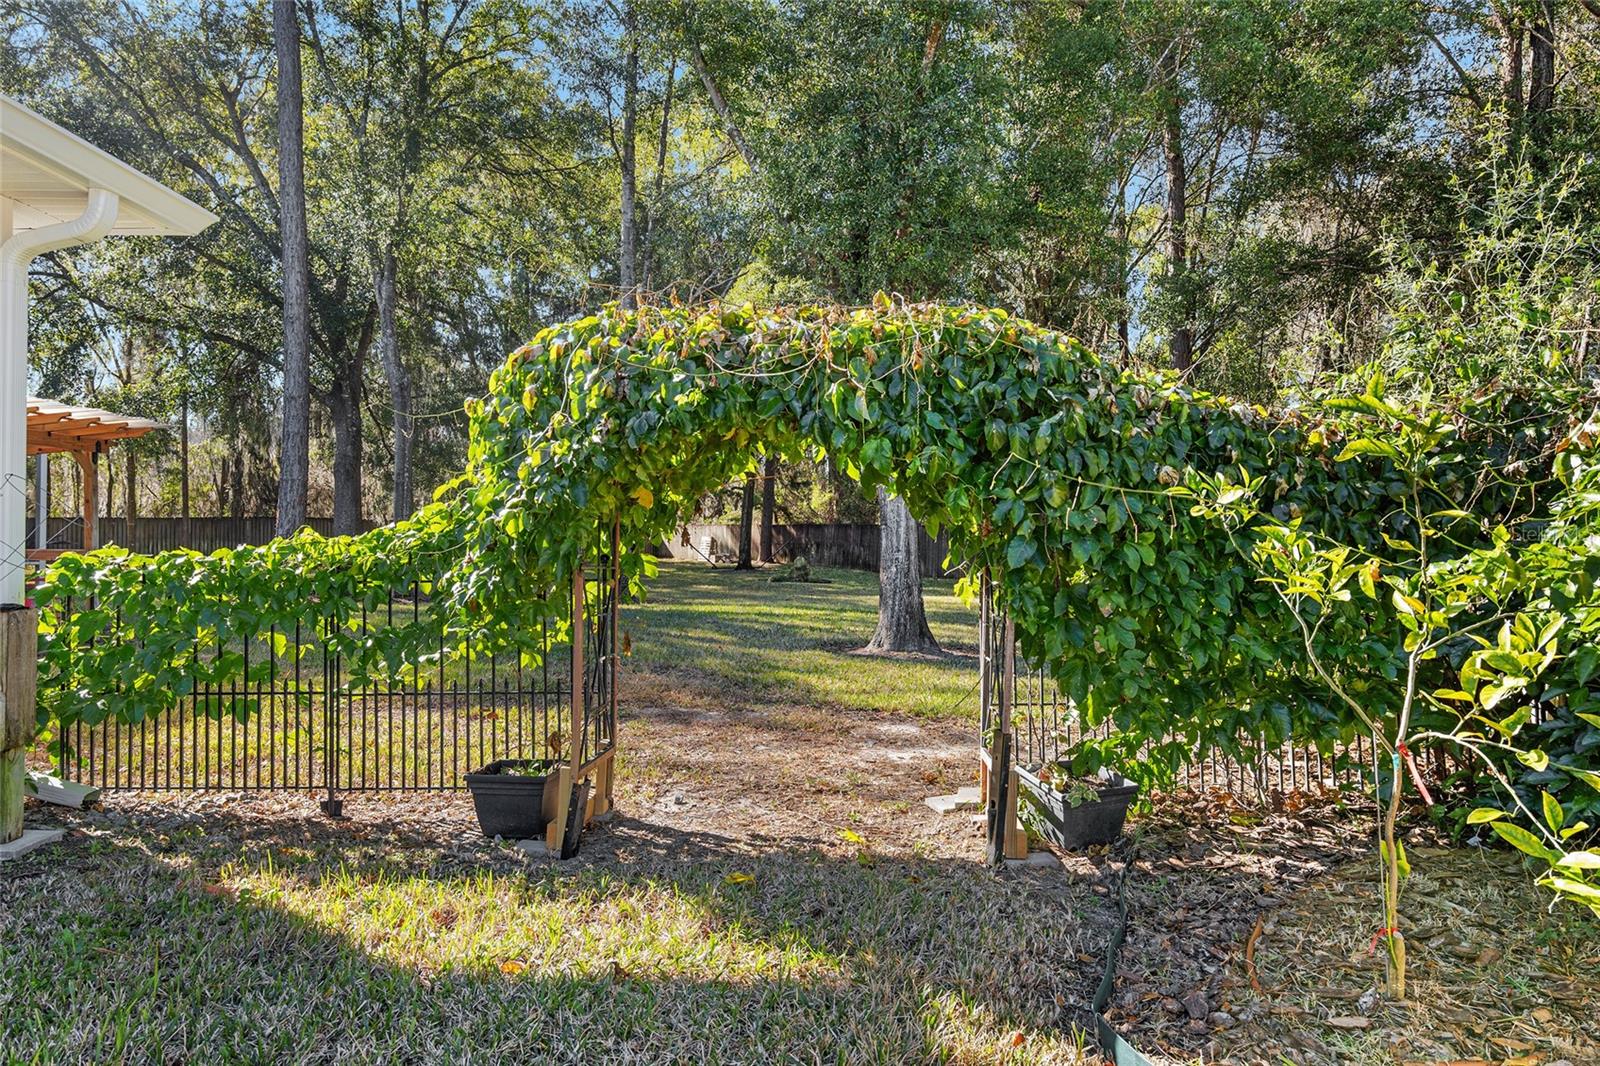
<point>850,545</point>
<point>1044,725</point>
<point>304,722</point>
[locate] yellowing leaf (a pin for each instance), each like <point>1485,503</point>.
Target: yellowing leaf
<point>1523,841</point>
<point>852,837</point>
<point>1581,860</point>
<point>645,497</point>
<point>1554,816</point>
<point>737,878</point>
<point>1574,888</point>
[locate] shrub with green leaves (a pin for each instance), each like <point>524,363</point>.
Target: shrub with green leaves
<point>1450,636</point>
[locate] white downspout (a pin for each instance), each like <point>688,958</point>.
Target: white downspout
<point>16,255</point>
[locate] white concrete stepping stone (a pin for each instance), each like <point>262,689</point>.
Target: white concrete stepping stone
<point>965,799</point>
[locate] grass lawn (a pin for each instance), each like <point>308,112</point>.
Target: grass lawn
<point>753,640</point>
<point>772,890</point>
<point>238,932</point>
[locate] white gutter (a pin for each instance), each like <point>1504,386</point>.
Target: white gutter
<point>16,256</point>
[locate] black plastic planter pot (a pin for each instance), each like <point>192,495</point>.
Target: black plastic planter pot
<point>510,805</point>
<point>1093,822</point>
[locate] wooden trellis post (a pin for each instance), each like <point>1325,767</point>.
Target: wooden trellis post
<point>560,831</point>
<point>603,774</point>
<point>581,788</point>
<point>998,778</point>
<point>19,665</point>
<point>1015,840</point>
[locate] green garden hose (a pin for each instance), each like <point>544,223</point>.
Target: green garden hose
<point>1117,1050</point>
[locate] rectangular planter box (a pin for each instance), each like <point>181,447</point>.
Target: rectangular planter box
<point>1093,822</point>
<point>510,805</point>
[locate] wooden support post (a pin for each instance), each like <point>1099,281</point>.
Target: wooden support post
<point>1006,837</point>
<point>603,786</point>
<point>985,743</point>
<point>599,772</point>
<point>567,780</point>
<point>91,498</point>
<point>19,666</point>
<point>580,687</point>
<point>1016,841</point>
<point>557,796</point>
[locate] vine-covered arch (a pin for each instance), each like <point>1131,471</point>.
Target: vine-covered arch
<point>1050,468</point>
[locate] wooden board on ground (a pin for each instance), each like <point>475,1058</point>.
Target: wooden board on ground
<point>557,795</point>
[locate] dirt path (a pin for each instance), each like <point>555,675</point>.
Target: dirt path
<point>798,776</point>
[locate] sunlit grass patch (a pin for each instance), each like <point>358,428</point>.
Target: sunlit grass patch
<point>182,946</point>
<point>487,924</point>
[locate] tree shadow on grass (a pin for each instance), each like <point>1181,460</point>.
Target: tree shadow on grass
<point>210,935</point>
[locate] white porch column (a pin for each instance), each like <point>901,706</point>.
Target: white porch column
<point>16,254</point>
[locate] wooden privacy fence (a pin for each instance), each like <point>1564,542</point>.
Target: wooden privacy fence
<point>150,535</point>
<point>850,545</point>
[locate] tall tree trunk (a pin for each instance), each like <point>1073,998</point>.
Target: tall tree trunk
<point>236,478</point>
<point>769,506</point>
<point>902,621</point>
<point>1511,36</point>
<point>183,454</point>
<point>1177,212</point>
<point>697,60</point>
<point>1541,75</point>
<point>652,207</point>
<point>747,509</point>
<point>294,459</point>
<point>130,506</point>
<point>628,252</point>
<point>1124,343</point>
<point>399,388</point>
<point>344,406</point>
<point>344,409</point>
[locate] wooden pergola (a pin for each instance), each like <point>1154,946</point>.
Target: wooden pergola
<point>84,433</point>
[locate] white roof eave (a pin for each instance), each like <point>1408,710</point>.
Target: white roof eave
<point>48,171</point>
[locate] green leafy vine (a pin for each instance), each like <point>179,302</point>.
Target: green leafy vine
<point>1047,465</point>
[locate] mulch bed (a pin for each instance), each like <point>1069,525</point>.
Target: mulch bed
<point>1203,868</point>
<point>1250,942</point>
